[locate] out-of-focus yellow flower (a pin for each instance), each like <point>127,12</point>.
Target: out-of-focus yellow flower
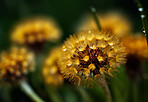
<point>137,51</point>
<point>15,64</point>
<point>34,32</point>
<point>113,23</point>
<point>89,55</point>
<point>51,71</point>
<point>136,45</point>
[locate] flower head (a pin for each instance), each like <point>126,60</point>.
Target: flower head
<point>51,71</point>
<point>136,45</point>
<point>15,64</point>
<point>34,32</point>
<point>113,23</point>
<point>89,55</point>
<point>137,51</point>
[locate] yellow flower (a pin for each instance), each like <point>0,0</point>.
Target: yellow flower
<point>89,55</point>
<point>136,45</point>
<point>34,32</point>
<point>15,64</point>
<point>112,22</point>
<point>137,51</point>
<point>51,71</point>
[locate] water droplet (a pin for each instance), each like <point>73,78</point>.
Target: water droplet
<point>89,31</point>
<point>80,48</point>
<point>64,49</point>
<point>69,63</point>
<point>92,46</point>
<point>111,43</point>
<point>140,9</point>
<point>142,16</point>
<point>143,30</point>
<point>93,9</point>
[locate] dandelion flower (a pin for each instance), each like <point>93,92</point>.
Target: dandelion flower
<point>136,45</point>
<point>35,32</point>
<point>137,51</point>
<point>51,71</point>
<point>113,23</point>
<point>15,64</point>
<point>89,55</point>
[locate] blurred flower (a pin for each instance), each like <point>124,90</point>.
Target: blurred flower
<point>137,51</point>
<point>35,32</point>
<point>51,71</point>
<point>89,55</point>
<point>112,22</point>
<point>15,64</point>
<point>136,45</point>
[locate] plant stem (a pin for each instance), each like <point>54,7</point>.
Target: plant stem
<point>53,94</point>
<point>29,91</point>
<point>143,18</point>
<point>84,94</point>
<point>93,10</point>
<point>135,92</point>
<point>105,88</point>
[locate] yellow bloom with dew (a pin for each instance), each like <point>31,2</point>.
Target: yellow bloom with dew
<point>15,64</point>
<point>89,55</point>
<point>113,23</point>
<point>50,69</point>
<point>35,32</point>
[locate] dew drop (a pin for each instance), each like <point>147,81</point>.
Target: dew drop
<point>93,9</point>
<point>142,16</point>
<point>64,49</point>
<point>140,9</point>
<point>80,48</point>
<point>68,64</point>
<point>111,44</point>
<point>89,31</point>
<point>143,30</point>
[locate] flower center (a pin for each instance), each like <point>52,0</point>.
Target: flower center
<point>92,60</point>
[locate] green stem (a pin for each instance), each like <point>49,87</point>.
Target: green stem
<point>84,94</point>
<point>143,18</point>
<point>135,93</point>
<point>53,94</point>
<point>93,10</point>
<point>29,91</point>
<point>105,88</point>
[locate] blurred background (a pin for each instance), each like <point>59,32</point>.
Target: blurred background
<point>67,14</point>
